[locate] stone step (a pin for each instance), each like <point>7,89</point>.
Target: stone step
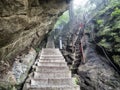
<point>38,75</point>
<point>51,64</point>
<point>52,60</point>
<point>51,55</point>
<point>50,51</point>
<point>50,72</point>
<point>46,54</point>
<point>50,69</point>
<point>59,69</point>
<point>55,81</point>
<point>27,86</point>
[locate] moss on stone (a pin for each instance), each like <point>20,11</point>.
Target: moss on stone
<point>116,59</point>
<point>116,27</point>
<point>7,87</point>
<point>109,32</point>
<point>106,30</point>
<point>117,39</point>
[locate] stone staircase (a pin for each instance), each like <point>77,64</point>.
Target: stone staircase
<point>50,72</point>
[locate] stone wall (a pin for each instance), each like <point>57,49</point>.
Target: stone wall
<point>24,23</point>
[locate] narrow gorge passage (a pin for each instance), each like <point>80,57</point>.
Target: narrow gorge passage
<point>59,44</point>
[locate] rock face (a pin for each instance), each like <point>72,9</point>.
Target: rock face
<point>107,28</point>
<point>19,72</point>
<point>97,74</point>
<point>24,23</point>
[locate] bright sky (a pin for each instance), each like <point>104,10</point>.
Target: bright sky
<point>78,3</point>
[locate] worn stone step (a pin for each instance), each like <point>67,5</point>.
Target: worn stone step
<point>50,72</point>
<point>52,60</point>
<point>51,55</point>
<point>55,49</point>
<point>27,86</point>
<point>52,88</point>
<point>61,70</point>
<point>50,51</point>
<point>47,63</point>
<point>51,64</point>
<point>55,81</point>
<point>38,75</point>
<point>50,68</point>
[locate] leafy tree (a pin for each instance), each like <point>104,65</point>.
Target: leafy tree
<point>62,19</point>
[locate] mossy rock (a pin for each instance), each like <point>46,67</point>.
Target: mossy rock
<point>117,39</point>
<point>105,44</point>
<point>106,31</point>
<point>116,25</point>
<point>9,87</point>
<point>116,58</point>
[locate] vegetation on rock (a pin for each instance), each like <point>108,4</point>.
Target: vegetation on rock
<point>110,31</point>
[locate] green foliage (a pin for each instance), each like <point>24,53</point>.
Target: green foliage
<point>117,59</point>
<point>105,31</point>
<point>105,45</point>
<point>113,3</point>
<point>109,33</point>
<point>117,25</point>
<point>113,34</point>
<point>37,50</point>
<point>75,81</point>
<point>100,22</point>
<point>117,48</point>
<point>117,39</point>
<point>10,87</point>
<point>116,12</point>
<point>62,19</point>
